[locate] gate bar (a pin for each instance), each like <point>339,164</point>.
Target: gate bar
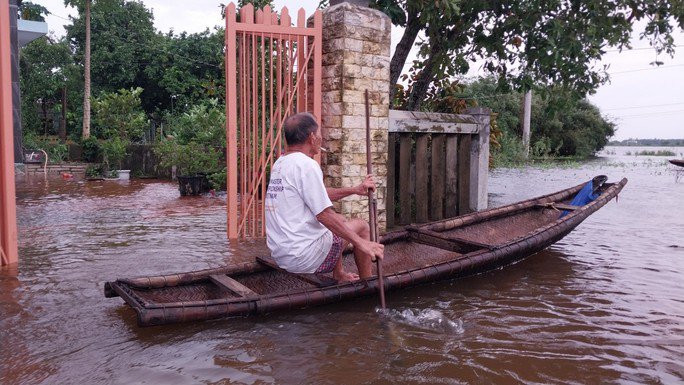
<point>231,122</point>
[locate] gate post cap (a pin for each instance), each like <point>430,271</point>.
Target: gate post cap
<point>362,3</point>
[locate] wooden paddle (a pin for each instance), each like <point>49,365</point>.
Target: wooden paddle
<point>373,205</point>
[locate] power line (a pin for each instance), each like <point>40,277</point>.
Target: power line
<point>645,69</point>
<point>663,113</point>
<point>60,17</point>
<point>638,49</point>
<point>636,107</point>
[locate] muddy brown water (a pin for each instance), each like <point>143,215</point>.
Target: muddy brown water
<point>604,305</point>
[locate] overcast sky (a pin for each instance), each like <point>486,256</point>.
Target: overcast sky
<point>644,101</point>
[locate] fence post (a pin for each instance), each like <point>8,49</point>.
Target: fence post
<point>479,159</point>
<point>356,57</point>
<point>231,124</point>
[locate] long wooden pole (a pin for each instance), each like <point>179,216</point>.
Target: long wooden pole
<point>372,205</point>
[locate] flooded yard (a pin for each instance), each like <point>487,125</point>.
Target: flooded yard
<point>603,305</point>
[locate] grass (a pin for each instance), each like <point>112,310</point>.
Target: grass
<point>652,153</point>
<point>563,163</point>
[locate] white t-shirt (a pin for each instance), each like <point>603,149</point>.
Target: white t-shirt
<point>298,241</point>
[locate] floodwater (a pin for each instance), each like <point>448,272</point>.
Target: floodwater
<point>604,305</point>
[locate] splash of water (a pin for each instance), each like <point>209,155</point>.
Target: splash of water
<point>426,319</point>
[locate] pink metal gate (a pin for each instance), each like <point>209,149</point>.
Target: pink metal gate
<point>8,211</point>
<point>273,70</point>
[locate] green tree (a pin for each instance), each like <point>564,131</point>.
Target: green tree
<point>506,104</point>
<point>122,35</point>
<point>31,11</point>
<point>577,130</point>
<point>545,42</point>
<point>118,120</point>
<point>45,67</point>
<point>196,141</point>
<point>179,70</point>
<point>203,123</point>
<point>562,123</point>
<point>119,115</point>
<point>187,70</point>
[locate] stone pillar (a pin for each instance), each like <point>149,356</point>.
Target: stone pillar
<point>16,90</point>
<point>356,57</point>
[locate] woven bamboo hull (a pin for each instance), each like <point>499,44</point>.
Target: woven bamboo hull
<point>450,248</point>
<point>677,162</point>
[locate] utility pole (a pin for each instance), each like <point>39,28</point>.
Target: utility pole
<point>526,117</point>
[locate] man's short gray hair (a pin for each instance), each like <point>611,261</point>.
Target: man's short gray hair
<point>298,127</point>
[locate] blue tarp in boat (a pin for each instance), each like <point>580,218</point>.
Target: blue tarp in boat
<point>588,193</point>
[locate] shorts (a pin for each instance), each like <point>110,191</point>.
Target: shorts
<point>333,256</point>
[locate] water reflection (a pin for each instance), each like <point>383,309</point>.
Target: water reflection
<point>604,305</point>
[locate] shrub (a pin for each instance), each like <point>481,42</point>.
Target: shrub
<point>94,171</point>
<point>510,152</point>
<point>191,158</point>
<point>91,149</point>
<point>217,180</point>
<point>113,153</point>
<point>203,123</point>
<point>57,152</point>
<point>119,114</point>
<point>196,141</point>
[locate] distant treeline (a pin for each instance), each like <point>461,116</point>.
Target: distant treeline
<point>647,142</point>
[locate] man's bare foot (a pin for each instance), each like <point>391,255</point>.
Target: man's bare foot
<point>345,276</point>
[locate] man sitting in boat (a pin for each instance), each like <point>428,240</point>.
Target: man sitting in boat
<point>303,232</point>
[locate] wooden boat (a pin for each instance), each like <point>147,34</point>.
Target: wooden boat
<point>677,162</point>
<point>451,248</point>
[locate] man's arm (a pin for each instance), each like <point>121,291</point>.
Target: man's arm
<point>338,225</point>
<point>338,193</point>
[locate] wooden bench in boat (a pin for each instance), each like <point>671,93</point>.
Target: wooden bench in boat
<point>558,206</point>
<point>455,244</point>
<point>319,280</point>
<point>229,284</point>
